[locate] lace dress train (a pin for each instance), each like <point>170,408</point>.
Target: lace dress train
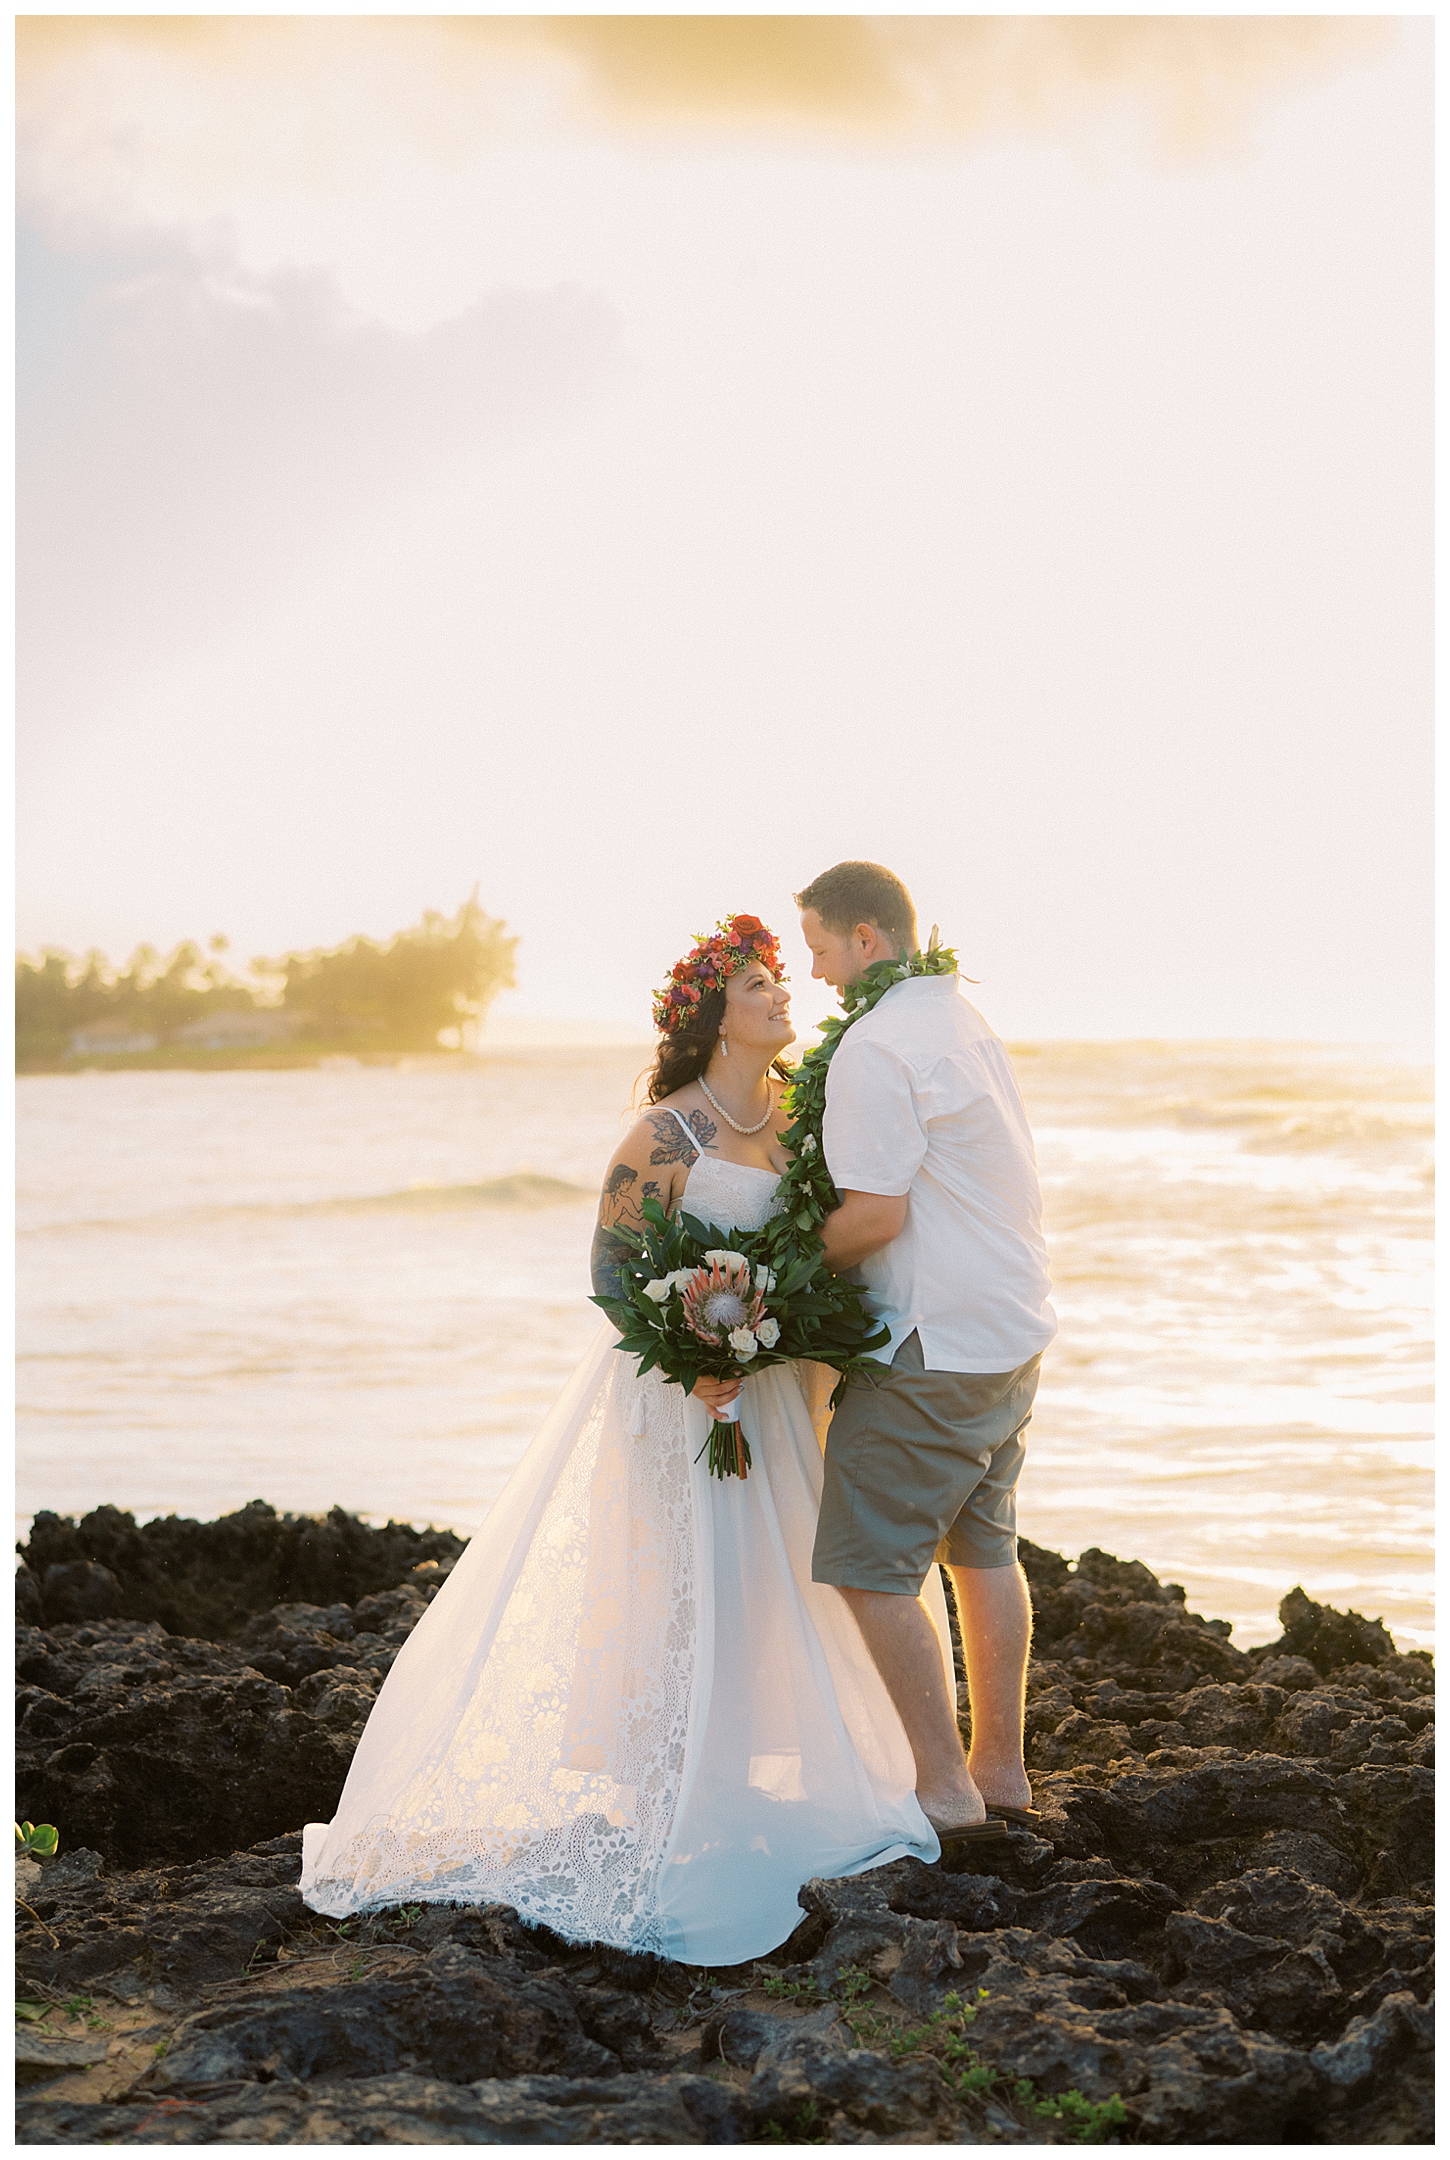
<point>629,1712</point>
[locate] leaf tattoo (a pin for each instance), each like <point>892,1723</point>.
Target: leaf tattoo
<point>673,1146</point>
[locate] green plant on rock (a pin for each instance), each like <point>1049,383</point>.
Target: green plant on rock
<point>804,2119</point>
<point>1087,2122</point>
<point>939,2034</point>
<point>36,1841</point>
<point>941,2037</point>
<point>979,2077</point>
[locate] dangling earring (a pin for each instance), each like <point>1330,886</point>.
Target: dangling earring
<point>724,1046</point>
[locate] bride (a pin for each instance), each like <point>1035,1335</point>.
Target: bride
<point>629,1712</point>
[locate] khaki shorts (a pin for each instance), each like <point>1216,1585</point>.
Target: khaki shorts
<point>922,1466</point>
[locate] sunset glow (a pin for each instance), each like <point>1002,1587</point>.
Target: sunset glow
<point>633,462</point>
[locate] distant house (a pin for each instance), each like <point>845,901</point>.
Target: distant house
<point>233,1031</point>
<point>110,1038</point>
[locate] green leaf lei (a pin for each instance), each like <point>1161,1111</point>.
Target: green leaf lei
<point>806,1190</point>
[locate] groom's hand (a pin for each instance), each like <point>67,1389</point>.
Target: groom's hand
<point>861,1225</point>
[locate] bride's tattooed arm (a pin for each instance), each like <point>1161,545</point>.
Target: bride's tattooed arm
<point>620,1222</point>
<point>652,1164</point>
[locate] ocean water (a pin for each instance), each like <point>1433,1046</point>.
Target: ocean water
<point>364,1285</point>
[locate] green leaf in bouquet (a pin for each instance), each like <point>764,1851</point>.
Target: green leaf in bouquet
<point>711,1236</point>
<point>619,1311</point>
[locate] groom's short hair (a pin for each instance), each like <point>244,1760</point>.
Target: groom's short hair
<point>857,892</point>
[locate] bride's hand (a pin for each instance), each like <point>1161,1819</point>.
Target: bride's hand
<point>716,1395</point>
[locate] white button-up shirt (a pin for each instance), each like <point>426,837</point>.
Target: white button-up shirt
<point>921,1099</point>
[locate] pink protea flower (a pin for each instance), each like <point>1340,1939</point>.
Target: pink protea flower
<point>721,1297</point>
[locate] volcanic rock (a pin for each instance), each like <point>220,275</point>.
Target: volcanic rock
<point>208,1579</point>
<point>454,2016</point>
<point>410,2110</point>
<point>1221,1920</point>
<point>1327,1639</point>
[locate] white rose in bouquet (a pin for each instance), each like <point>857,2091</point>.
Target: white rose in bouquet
<point>767,1333</point>
<point>660,1289</point>
<point>743,1343</point>
<point>765,1278</point>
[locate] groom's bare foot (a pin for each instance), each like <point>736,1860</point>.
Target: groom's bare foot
<point>1001,1784</point>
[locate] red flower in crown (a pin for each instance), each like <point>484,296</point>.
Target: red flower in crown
<point>732,945</point>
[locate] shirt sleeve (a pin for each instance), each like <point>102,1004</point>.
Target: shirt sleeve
<point>873,1134</point>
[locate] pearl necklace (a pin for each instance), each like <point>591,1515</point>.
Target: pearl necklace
<point>730,1121</point>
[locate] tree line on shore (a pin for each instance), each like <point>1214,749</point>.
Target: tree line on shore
<point>417,990</point>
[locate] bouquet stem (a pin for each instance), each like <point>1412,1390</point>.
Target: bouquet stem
<point>729,1449</point>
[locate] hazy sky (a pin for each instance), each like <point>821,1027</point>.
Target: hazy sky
<point>632,464</point>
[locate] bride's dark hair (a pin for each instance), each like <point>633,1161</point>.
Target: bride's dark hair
<point>685,1051</point>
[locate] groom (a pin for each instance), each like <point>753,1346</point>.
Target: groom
<point>927,1142</point>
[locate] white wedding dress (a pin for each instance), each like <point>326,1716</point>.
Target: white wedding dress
<point>629,1712</point>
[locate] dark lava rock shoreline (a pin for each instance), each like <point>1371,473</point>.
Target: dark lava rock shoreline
<point>1223,1917</point>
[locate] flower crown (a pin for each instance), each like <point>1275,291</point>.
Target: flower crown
<point>710,964</point>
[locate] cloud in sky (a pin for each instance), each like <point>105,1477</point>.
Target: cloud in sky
<point>243,424</point>
<point>279,136</point>
<point>636,461</point>
<point>445,80</point>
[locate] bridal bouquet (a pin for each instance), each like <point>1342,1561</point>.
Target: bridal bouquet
<point>706,1303</point>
